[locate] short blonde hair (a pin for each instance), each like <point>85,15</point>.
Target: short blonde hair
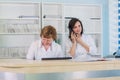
<point>49,32</point>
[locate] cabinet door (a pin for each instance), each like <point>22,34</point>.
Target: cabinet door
<point>17,10</point>
<point>19,27</point>
<point>52,11</point>
<point>90,15</point>
<point>52,15</point>
<point>19,18</point>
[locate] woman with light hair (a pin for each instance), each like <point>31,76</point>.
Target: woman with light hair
<point>46,47</point>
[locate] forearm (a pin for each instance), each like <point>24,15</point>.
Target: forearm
<point>84,45</point>
<point>72,50</point>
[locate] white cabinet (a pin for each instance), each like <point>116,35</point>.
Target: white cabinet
<point>20,24</point>
<point>19,27</point>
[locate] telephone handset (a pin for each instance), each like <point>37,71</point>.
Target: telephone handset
<point>73,32</point>
<point>117,53</point>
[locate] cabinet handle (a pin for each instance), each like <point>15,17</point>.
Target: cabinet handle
<point>95,18</point>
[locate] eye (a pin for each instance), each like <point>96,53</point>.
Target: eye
<point>44,39</point>
<point>74,27</point>
<point>79,25</point>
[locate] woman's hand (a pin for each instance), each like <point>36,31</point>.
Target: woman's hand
<point>78,38</point>
<point>74,43</point>
<point>81,42</point>
<point>73,37</point>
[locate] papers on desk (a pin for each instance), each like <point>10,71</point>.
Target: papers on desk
<point>88,58</point>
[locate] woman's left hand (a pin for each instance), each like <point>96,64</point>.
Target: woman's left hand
<point>78,38</point>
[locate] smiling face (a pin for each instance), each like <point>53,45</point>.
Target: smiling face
<point>77,28</point>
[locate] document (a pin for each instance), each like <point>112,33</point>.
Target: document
<point>89,58</point>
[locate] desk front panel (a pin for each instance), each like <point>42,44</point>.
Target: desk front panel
<point>78,75</point>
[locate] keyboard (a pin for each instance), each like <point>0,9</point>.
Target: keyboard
<point>57,58</point>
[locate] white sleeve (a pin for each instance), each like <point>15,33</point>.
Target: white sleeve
<point>31,52</point>
<point>68,45</point>
<point>92,45</point>
<point>60,52</point>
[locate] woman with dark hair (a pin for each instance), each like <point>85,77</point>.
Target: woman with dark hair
<point>79,43</point>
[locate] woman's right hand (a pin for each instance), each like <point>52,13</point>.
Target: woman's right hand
<point>73,37</point>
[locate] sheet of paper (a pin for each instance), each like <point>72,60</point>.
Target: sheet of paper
<point>89,58</point>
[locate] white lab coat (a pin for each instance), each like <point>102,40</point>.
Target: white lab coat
<point>37,51</point>
<point>79,49</point>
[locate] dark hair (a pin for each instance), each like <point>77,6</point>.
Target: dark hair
<point>49,32</point>
<point>71,25</point>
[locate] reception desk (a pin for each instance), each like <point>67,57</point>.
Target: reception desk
<point>62,69</point>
